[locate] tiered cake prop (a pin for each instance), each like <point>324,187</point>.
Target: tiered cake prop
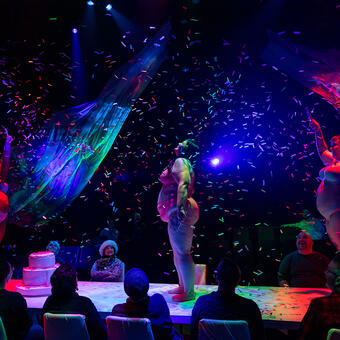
<point>36,277</point>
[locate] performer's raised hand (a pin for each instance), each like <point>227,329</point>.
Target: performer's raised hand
<point>9,139</point>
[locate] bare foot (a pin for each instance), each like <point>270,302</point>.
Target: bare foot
<point>183,297</point>
<point>177,290</point>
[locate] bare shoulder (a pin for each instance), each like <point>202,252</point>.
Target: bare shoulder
<point>181,164</point>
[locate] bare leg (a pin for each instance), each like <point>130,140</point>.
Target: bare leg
<point>181,240</point>
<point>333,228</point>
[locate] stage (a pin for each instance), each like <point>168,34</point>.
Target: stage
<point>280,307</point>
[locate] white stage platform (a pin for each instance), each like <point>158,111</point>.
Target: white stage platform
<point>280,307</point>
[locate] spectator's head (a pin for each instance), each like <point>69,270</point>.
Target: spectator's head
<point>335,147</point>
<point>108,248</point>
<point>6,272</point>
<point>136,284</point>
<point>187,148</point>
<point>3,206</point>
<point>64,280</point>
<point>228,275</point>
<point>54,247</point>
<point>304,243</point>
<point>333,274</point>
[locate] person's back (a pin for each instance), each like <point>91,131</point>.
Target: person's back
<point>13,307</point>
<point>140,305</point>
<point>323,313</point>
<point>219,306</point>
<point>65,300</point>
<point>153,308</point>
<point>304,270</point>
<point>226,305</point>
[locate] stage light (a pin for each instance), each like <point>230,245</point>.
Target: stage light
<point>74,31</point>
<point>109,7</point>
<point>215,161</point>
<point>90,3</point>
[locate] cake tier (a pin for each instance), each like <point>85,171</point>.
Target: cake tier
<point>37,276</point>
<point>42,259</point>
<point>33,290</point>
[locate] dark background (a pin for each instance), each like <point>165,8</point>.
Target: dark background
<point>214,87</point>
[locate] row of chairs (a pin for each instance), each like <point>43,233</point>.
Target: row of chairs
<point>73,327</point>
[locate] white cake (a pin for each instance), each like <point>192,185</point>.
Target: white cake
<point>36,277</point>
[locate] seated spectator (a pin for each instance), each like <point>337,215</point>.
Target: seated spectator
<point>13,307</point>
<point>303,267</point>
<point>108,267</point>
<point>54,247</point>
<point>324,312</point>
<point>140,305</point>
<point>65,300</point>
<point>225,304</point>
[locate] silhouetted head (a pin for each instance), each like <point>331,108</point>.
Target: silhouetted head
<point>6,271</point>
<point>136,284</point>
<point>228,275</point>
<point>64,280</point>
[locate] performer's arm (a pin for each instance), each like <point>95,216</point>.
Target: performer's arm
<point>324,153</point>
<point>6,156</point>
<point>181,173</point>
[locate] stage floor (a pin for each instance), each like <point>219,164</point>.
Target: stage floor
<point>280,307</point>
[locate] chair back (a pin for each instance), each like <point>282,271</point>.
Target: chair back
<point>123,328</point>
<point>209,329</point>
<point>65,327</point>
<point>333,334</point>
<point>3,335</point>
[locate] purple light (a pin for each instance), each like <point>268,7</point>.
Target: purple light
<point>215,161</point>
<point>74,31</point>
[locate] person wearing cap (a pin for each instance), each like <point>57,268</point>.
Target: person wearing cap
<point>54,247</point>
<point>140,305</point>
<point>303,267</point>
<point>4,166</point>
<point>108,268</point>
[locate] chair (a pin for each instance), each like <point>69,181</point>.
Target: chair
<point>3,335</point>
<point>333,334</point>
<point>209,329</point>
<point>65,327</point>
<point>123,328</point>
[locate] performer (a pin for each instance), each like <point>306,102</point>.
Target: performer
<point>177,207</point>
<point>328,194</point>
<point>4,166</point>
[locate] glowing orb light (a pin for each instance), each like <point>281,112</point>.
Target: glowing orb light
<point>215,161</point>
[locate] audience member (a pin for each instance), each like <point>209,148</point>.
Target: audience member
<point>324,312</point>
<point>13,307</point>
<point>54,247</point>
<point>225,304</point>
<point>108,267</point>
<point>303,267</point>
<point>140,304</point>
<point>65,299</point>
